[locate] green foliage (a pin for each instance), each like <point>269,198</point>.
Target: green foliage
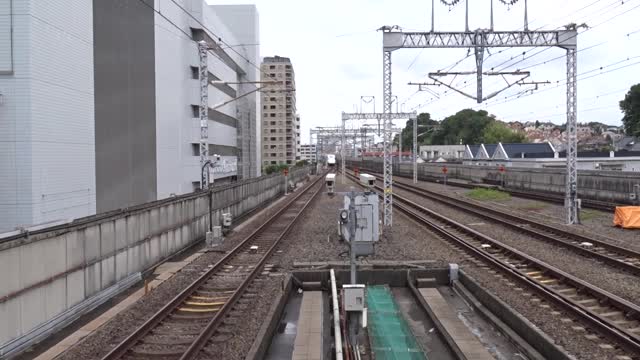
<point>426,127</point>
<point>484,194</point>
<point>630,106</point>
<point>270,169</point>
<point>465,127</point>
<point>497,132</point>
<point>302,163</point>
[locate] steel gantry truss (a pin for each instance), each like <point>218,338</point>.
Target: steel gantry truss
<point>387,117</point>
<point>334,135</point>
<point>394,39</point>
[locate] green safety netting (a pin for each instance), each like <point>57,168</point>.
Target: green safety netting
<point>391,338</point>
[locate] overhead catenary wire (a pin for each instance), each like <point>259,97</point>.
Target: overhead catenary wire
<point>189,36</point>
<point>581,99</point>
<point>431,100</point>
<point>589,28</point>
<point>559,83</point>
<point>220,40</point>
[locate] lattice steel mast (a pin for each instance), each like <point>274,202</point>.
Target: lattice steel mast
<point>203,49</point>
<point>394,39</point>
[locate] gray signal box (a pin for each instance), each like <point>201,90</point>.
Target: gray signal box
<point>366,222</point>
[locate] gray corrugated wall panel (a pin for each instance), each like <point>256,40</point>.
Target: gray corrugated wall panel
<point>112,247</point>
<point>121,233</point>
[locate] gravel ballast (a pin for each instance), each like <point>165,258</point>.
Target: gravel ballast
<point>117,329</point>
<point>315,238</point>
<point>613,280</point>
<point>594,222</point>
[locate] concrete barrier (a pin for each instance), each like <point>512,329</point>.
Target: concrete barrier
<point>611,186</point>
<point>77,266</point>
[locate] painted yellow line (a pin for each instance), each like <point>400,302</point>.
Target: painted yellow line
<point>198,310</point>
<point>208,298</point>
<point>203,303</point>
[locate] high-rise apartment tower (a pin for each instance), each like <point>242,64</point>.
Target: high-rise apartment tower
<point>280,133</point>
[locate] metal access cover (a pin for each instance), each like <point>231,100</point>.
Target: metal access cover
<point>353,297</point>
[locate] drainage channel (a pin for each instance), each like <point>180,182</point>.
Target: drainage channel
<point>432,321</point>
<point>391,337</point>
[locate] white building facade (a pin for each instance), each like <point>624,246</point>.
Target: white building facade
<point>233,128</point>
<point>98,103</point>
<point>308,152</point>
<point>47,147</point>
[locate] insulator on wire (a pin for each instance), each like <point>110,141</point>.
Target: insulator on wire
<point>450,3</point>
<point>509,3</point>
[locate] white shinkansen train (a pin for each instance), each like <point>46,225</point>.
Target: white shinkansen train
<point>331,161</point>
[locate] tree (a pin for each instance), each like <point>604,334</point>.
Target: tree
<point>466,127</point>
<point>276,168</point>
<point>630,106</point>
<point>426,126</point>
<point>497,132</point>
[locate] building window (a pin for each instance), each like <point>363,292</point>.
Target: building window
<point>272,99</point>
<point>265,115</point>
<point>195,185</point>
<point>273,114</point>
<point>272,106</point>
<point>264,107</point>
<point>195,74</point>
<point>195,149</point>
<point>273,163</point>
<point>272,67</point>
<point>273,123</point>
<point>195,110</point>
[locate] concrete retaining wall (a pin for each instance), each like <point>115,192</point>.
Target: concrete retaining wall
<point>46,272</point>
<point>613,186</point>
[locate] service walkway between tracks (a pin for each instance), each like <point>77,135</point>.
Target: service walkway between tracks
<point>467,343</point>
<point>308,343</point>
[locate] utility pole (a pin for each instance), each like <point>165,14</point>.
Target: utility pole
<point>393,38</point>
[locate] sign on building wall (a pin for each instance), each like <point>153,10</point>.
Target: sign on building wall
<point>227,166</point>
<point>6,43</point>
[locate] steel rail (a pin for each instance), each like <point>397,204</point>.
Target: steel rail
<point>156,319</point>
<point>553,198</point>
<point>611,254</point>
<point>202,339</point>
<point>550,282</point>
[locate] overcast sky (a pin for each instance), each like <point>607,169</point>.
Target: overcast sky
<point>337,56</point>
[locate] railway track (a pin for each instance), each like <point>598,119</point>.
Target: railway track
<point>610,254</point>
<point>552,198</point>
<point>195,317</point>
<point>608,315</point>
